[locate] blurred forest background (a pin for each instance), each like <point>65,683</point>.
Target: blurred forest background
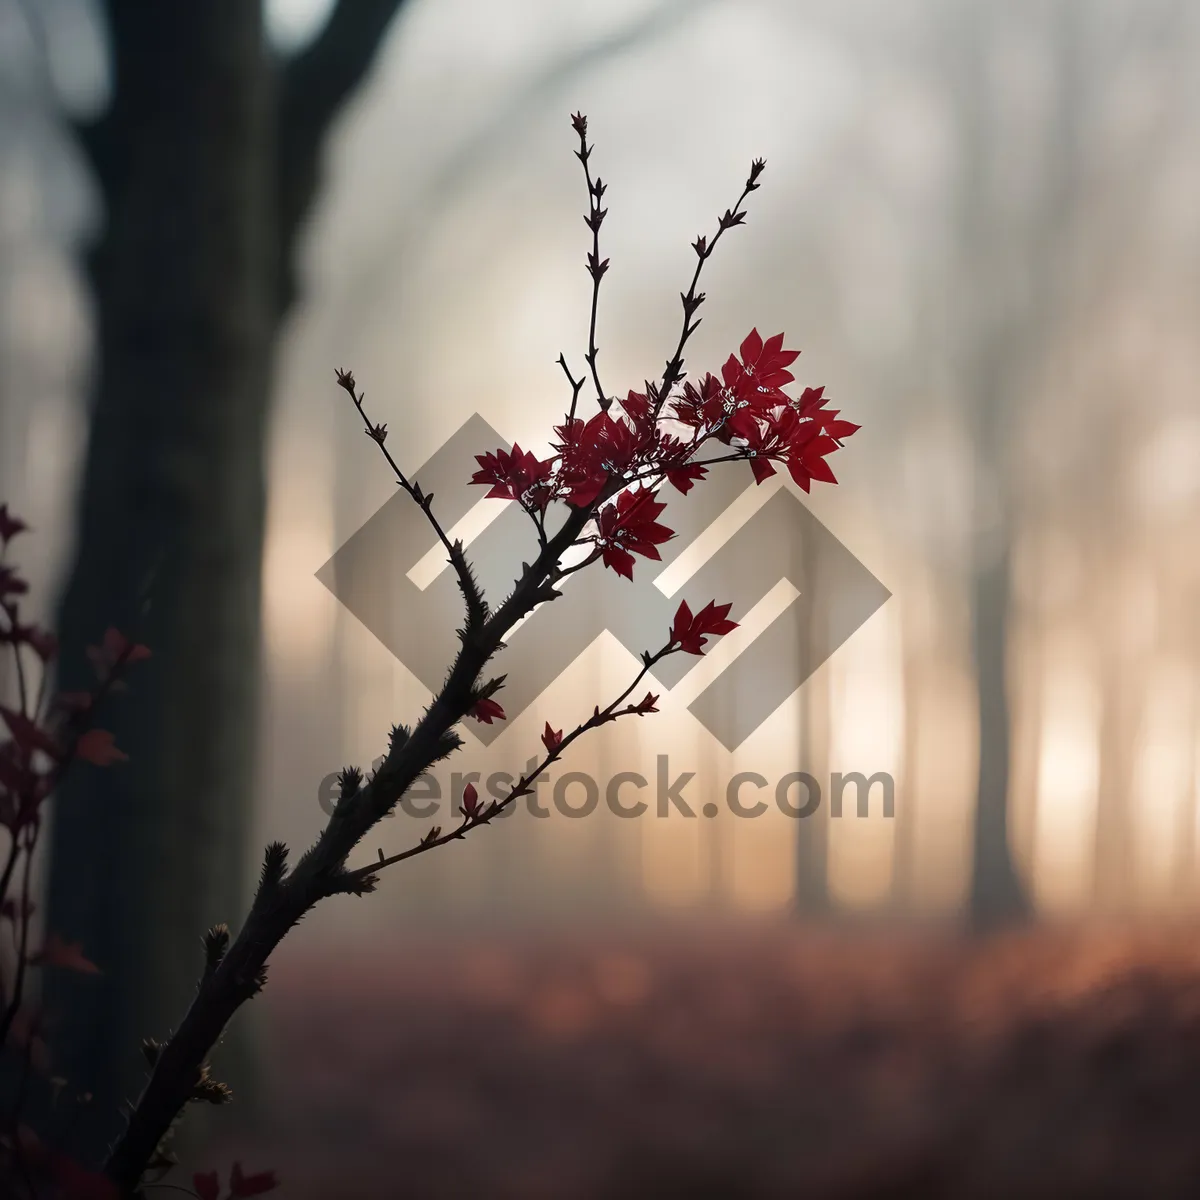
<point>980,222</point>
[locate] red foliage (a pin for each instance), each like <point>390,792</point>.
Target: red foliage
<point>207,1184</point>
<point>10,526</point>
<point>518,475</point>
<point>487,711</point>
<point>746,411</point>
<point>470,804</point>
<point>607,469</point>
<point>97,746</point>
<point>58,953</point>
<point>691,632</point>
<point>628,527</point>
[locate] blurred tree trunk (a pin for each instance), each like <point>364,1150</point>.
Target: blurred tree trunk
<point>1013,259</point>
<point>1112,889</point>
<point>207,161</point>
<point>986,371</point>
<point>812,832</point>
<point>904,854</point>
<point>998,896</point>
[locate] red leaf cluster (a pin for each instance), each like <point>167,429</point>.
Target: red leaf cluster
<point>748,410</point>
<point>615,461</point>
<point>241,1186</point>
<point>97,746</point>
<point>69,955</point>
<point>629,526</point>
<point>515,475</point>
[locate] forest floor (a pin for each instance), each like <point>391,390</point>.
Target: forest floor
<point>746,1062</point>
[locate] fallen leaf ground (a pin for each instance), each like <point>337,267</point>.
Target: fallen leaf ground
<point>746,1062</point>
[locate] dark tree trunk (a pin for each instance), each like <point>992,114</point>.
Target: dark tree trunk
<point>147,855</point>
<point>998,895</point>
<point>203,198</point>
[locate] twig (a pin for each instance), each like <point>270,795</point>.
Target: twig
<point>521,788</point>
<point>692,300</point>
<point>473,597</point>
<point>596,268</point>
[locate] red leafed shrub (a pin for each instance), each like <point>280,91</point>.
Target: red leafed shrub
<point>43,736</point>
<point>596,497</point>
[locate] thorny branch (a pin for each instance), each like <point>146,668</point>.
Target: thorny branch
<point>591,479</point>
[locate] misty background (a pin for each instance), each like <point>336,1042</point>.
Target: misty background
<point>980,223</point>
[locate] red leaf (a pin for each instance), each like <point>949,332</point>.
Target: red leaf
<point>551,738</point>
<point>619,560</point>
<point>11,584</point>
<point>10,526</point>
<point>682,478</point>
<point>241,1186</point>
<point>470,802</point>
<point>629,526</point>
<point>116,648</point>
<point>486,711</point>
<point>97,746</point>
<point>762,468</point>
<point>43,643</point>
<point>691,631</point>
<point>763,363</point>
<point>841,429</point>
<point>207,1185</point>
<point>57,953</point>
<point>28,735</point>
<point>79,1183</point>
<point>515,475</point>
<point>12,908</point>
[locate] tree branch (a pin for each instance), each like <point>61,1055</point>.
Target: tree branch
<point>363,878</point>
<point>283,899</point>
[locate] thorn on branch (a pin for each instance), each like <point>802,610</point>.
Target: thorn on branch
<point>257,983</point>
<point>274,865</point>
<point>151,1049</point>
<point>349,782</point>
<point>351,883</point>
<point>209,1090</point>
<point>216,942</point>
<point>477,607</point>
